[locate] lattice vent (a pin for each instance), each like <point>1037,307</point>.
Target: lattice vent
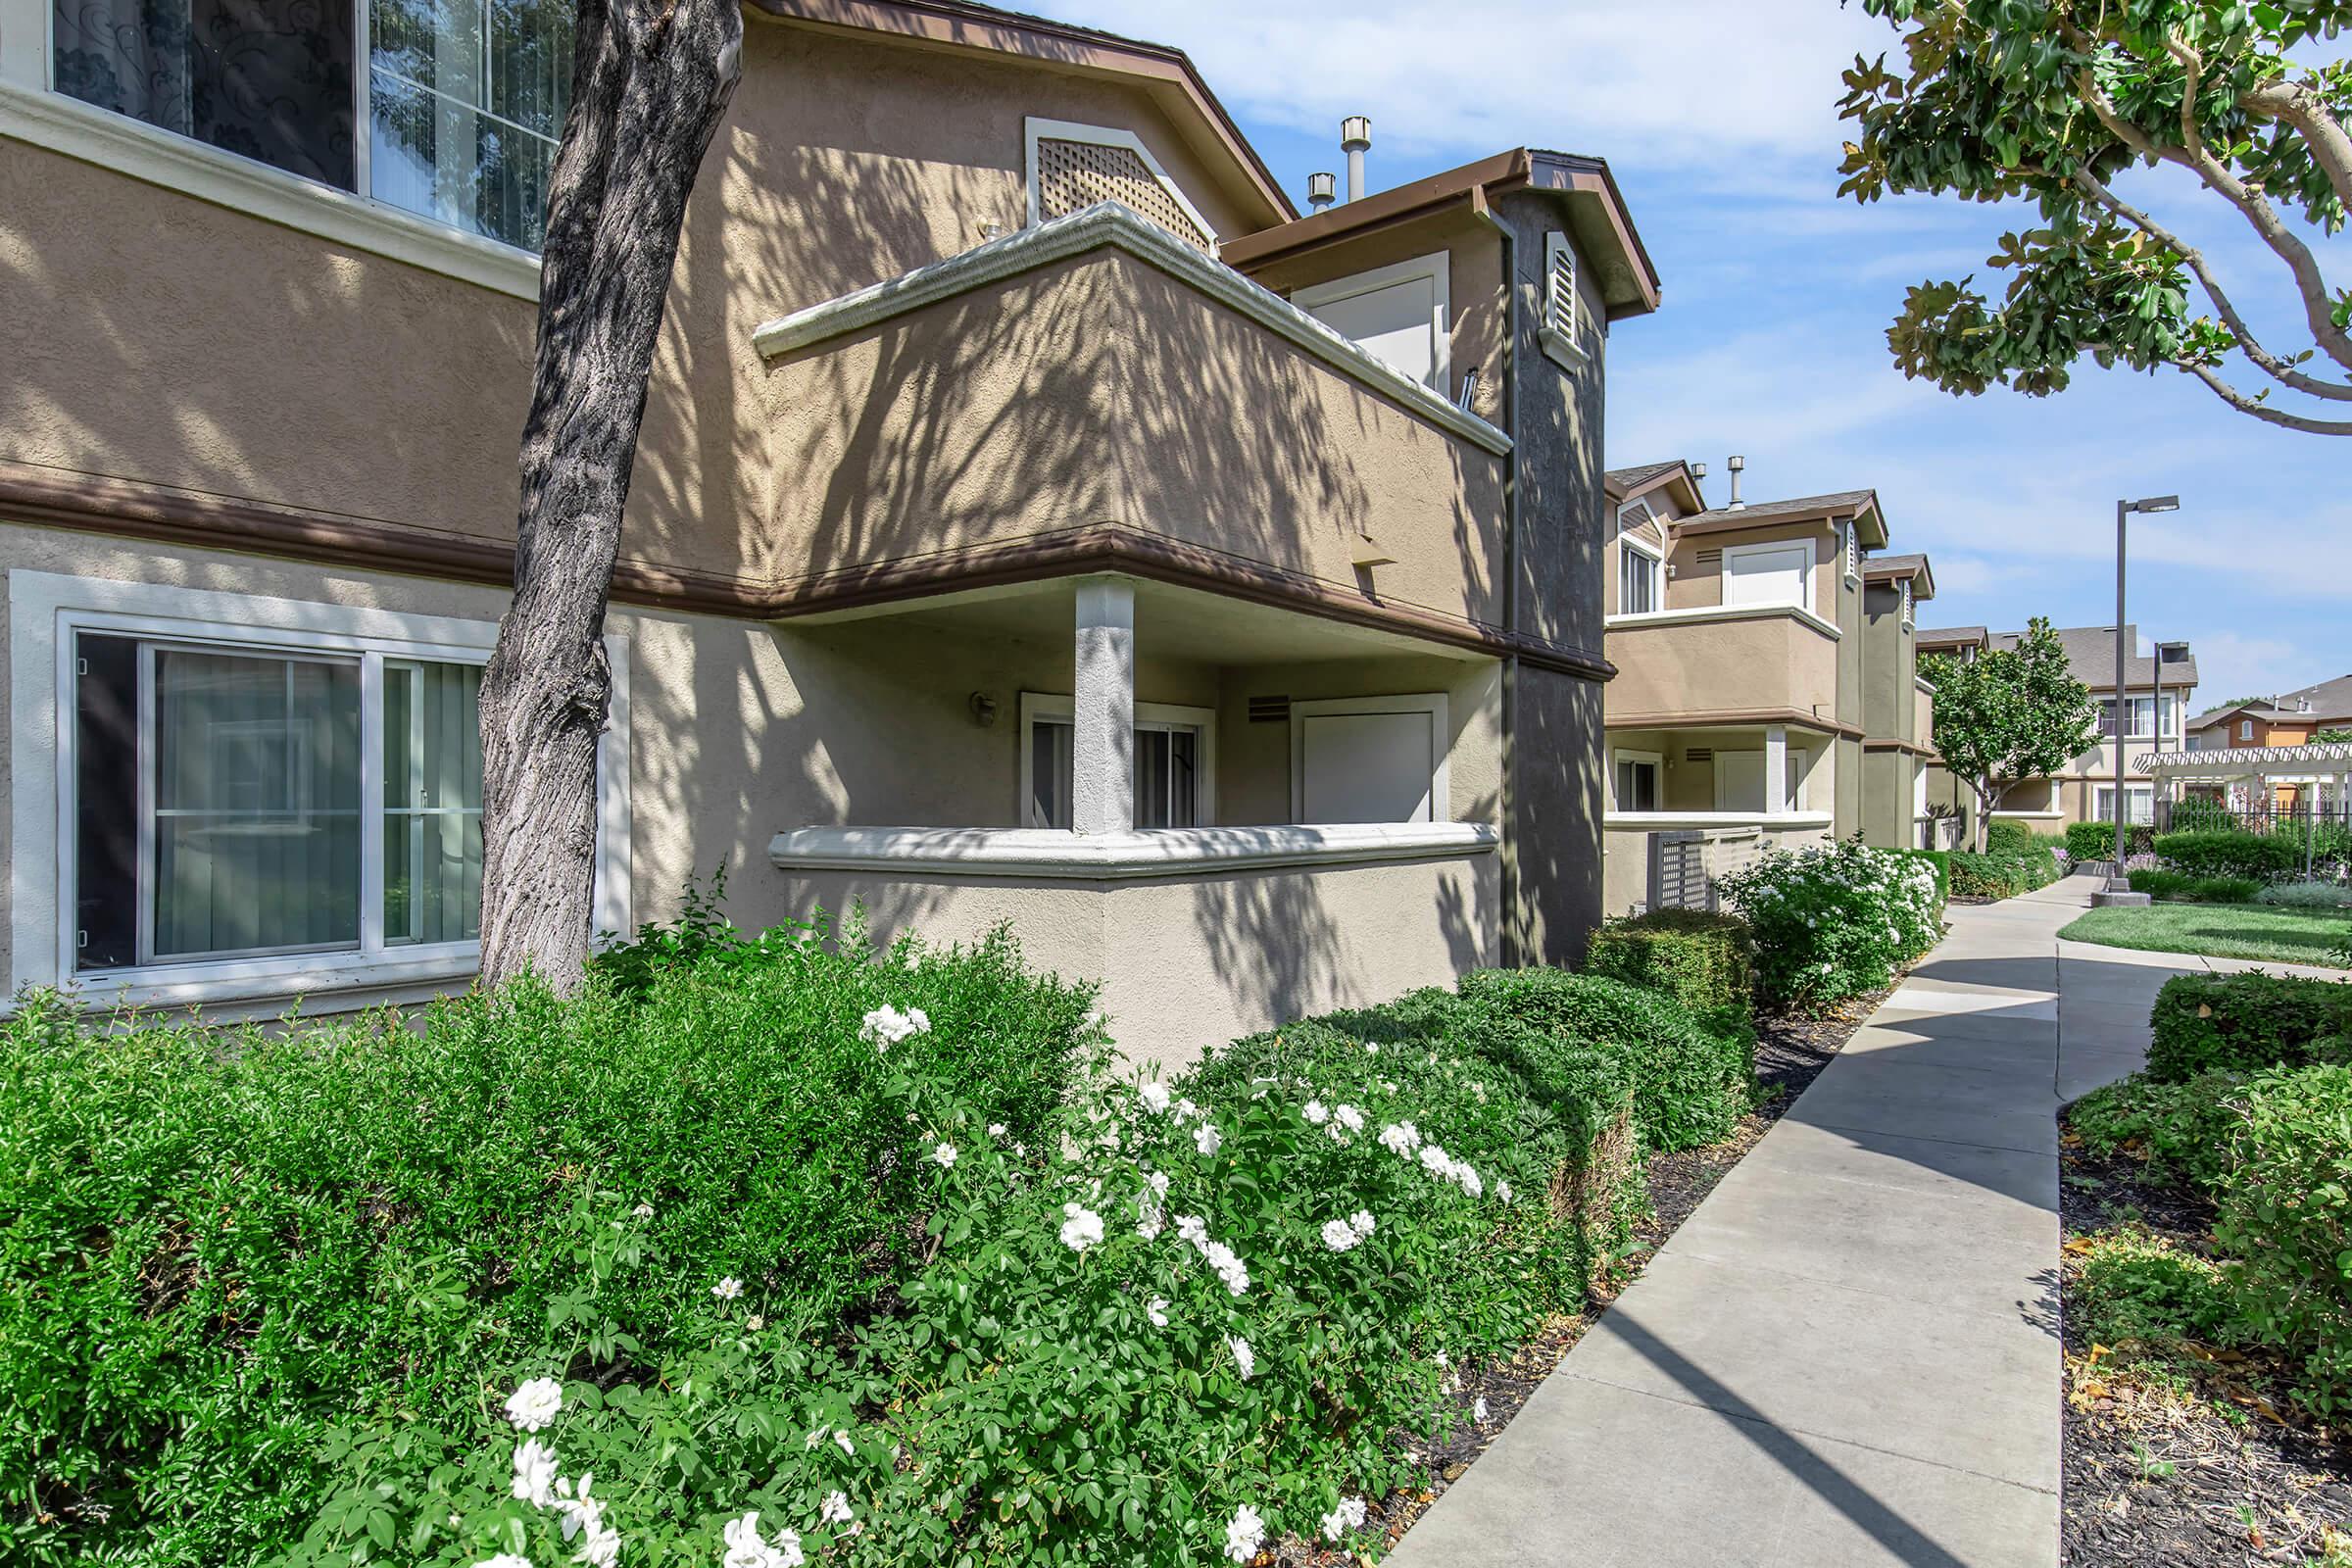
<point>1075,174</point>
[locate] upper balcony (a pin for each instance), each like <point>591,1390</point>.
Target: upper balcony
<point>1724,664</point>
<point>1093,393</point>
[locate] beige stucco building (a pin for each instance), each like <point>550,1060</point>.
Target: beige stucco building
<point>2158,682</point>
<point>1766,693</point>
<point>1036,519</point>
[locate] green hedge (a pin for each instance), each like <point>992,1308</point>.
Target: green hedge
<point>1576,1037</point>
<point>2245,1022</point>
<point>1941,860</point>
<point>2090,841</point>
<point>2003,837</point>
<point>2256,857</point>
<point>1705,960</point>
<point>2284,1215</point>
<point>2162,884</point>
<point>220,1245</point>
<point>2000,874</point>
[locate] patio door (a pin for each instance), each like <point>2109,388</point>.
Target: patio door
<point>1369,760</point>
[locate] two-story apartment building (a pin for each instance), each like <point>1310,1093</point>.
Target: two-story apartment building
<point>2086,790</point>
<point>2309,713</point>
<point>1035,519</point>
<point>1766,691</point>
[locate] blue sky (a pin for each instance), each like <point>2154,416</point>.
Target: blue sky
<point>1718,119</point>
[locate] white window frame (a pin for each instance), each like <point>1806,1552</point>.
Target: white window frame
<point>1063,709</point>
<point>2245,729</point>
<point>2103,802</point>
<point>1732,553</point>
<point>32,111</point>
<point>1627,754</point>
<point>1436,265</point>
<point>1635,512</point>
<point>1658,572</point>
<point>1035,131</point>
<point>46,612</point>
<point>1562,329</point>
<point>1441,797</point>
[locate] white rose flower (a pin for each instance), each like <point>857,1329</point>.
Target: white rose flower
<point>1156,1309</point>
<point>1243,1357</point>
<point>1245,1536</point>
<point>1361,1222</point>
<point>835,1509</point>
<point>533,1406</point>
<point>1350,1117</point>
<point>534,1474</point>
<point>1154,1097</point>
<point>1206,1138</point>
<point>1347,1515</point>
<point>1339,1235</point>
<point>944,1155</point>
<point>1315,1113</point>
<point>729,1289</point>
<point>1081,1227</point>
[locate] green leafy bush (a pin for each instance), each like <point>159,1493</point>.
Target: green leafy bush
<point>2003,873</point>
<point>1579,1041</point>
<point>2285,1216</point>
<point>1190,1331</point>
<point>220,1245</point>
<point>2004,837</point>
<point>2308,894</point>
<point>1942,861</point>
<point>2133,1287</point>
<point>2243,1022</point>
<point>2162,884</point>
<point>2260,858</point>
<point>2158,883</point>
<point>1834,921</point>
<point>1704,961</point>
<point>2180,1130</point>
<point>2090,841</point>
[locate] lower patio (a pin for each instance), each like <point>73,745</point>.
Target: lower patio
<point>1691,804</point>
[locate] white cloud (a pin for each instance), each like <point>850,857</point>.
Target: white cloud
<point>1691,83</point>
<point>2231,664</point>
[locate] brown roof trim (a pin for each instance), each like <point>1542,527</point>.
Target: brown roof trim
<point>125,508</point>
<point>961,24</point>
<point>1724,521</point>
<point>1678,472</point>
<point>1472,183</point>
<point>1720,717</point>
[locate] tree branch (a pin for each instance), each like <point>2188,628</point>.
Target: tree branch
<point>2260,410</point>
<point>2298,106</point>
<point>2317,306</point>
<point>2269,364</point>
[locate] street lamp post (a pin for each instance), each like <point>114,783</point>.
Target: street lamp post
<point>2123,692</point>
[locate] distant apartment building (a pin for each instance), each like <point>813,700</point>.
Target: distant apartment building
<point>2157,682</point>
<point>1766,688</point>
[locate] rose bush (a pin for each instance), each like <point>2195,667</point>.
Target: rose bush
<point>1834,921</point>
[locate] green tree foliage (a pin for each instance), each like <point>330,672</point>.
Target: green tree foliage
<point>2008,715</point>
<point>2050,102</point>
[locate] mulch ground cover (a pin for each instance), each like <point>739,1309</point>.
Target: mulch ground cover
<point>1790,1054</point>
<point>2204,1464</point>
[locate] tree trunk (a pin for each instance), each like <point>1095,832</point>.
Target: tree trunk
<point>651,80</point>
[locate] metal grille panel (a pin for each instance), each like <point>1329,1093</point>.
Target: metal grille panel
<point>1076,174</point>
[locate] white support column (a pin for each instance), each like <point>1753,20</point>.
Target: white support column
<point>1776,770</point>
<point>1103,737</point>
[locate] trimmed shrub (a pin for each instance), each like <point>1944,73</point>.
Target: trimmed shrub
<point>2002,837</point>
<point>2284,1214</point>
<point>225,1243</point>
<point>2000,876</point>
<point>1702,960</point>
<point>2090,841</point>
<point>2260,858</point>
<point>2161,884</point>
<point>2244,1022</point>
<point>2158,883</point>
<point>1834,921</point>
<point>1575,1037</point>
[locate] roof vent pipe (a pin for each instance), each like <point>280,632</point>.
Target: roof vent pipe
<point>1355,137</point>
<point>1320,189</point>
<point>1736,464</point>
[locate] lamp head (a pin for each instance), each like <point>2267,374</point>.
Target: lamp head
<point>2157,503</point>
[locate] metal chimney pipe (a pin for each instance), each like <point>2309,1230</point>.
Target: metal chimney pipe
<point>1320,189</point>
<point>1355,137</point>
<point>1738,465</point>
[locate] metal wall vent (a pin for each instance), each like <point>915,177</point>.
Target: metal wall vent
<point>1699,754</point>
<point>1710,555</point>
<point>1270,709</point>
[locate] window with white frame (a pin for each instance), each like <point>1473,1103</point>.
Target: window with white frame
<point>2142,716</point>
<point>1563,305</point>
<point>1634,781</point>
<point>2245,729</point>
<point>244,794</point>
<point>1175,764</point>
<point>1779,572</point>
<point>2138,799</point>
<point>448,108</point>
<point>1641,573</point>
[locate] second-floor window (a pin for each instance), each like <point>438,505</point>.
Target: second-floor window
<point>1638,575</point>
<point>1397,314</point>
<point>448,108</point>
<point>2245,729</point>
<point>2144,713</point>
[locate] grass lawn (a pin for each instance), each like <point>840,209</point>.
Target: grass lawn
<point>2217,930</point>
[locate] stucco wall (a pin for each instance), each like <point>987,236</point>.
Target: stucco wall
<point>1557,796</point>
<point>1626,859</point>
<point>1194,962</point>
<point>1103,391</point>
<point>1722,667</point>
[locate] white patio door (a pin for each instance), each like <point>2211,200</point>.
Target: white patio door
<point>1739,781</point>
<point>1369,760</point>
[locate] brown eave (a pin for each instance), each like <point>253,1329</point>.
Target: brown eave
<point>961,25</point>
<point>1860,505</point>
<point>1629,281</point>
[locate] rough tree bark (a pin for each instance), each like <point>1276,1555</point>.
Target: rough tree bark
<point>651,80</point>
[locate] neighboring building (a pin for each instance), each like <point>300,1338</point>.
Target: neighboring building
<point>993,555</point>
<point>2298,717</point>
<point>1766,691</point>
<point>2086,791</point>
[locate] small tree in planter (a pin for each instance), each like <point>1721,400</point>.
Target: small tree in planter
<point>2009,715</point>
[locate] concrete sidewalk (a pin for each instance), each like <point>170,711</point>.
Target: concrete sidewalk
<point>1849,1354</point>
